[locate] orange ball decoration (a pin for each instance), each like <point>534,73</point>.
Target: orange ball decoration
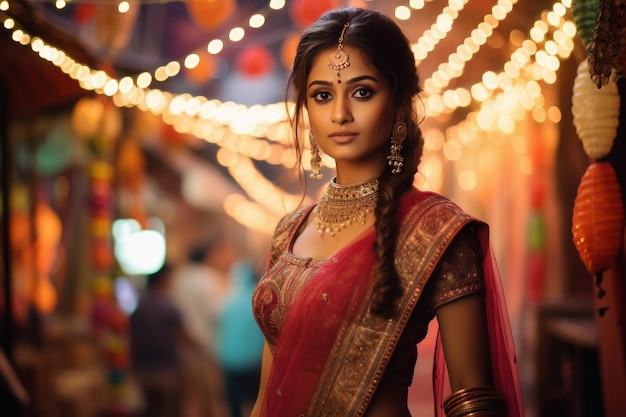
<point>20,231</point>
<point>44,296</point>
<point>207,68</point>
<point>210,14</point>
<point>288,50</point>
<point>598,218</point>
<point>255,61</point>
<point>83,13</point>
<point>130,165</point>
<point>305,12</point>
<point>101,254</point>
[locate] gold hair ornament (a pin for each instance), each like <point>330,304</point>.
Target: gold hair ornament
<point>316,159</point>
<point>339,59</point>
<point>398,134</point>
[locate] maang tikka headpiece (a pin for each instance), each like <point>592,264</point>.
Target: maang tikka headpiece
<point>339,59</point>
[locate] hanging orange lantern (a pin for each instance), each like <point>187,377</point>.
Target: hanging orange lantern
<point>598,218</point>
<point>210,14</point>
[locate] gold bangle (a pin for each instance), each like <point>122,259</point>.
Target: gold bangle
<point>475,401</point>
<point>469,393</point>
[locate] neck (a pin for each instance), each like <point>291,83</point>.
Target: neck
<point>349,173</point>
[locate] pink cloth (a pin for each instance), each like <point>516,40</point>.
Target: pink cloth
<point>312,324</point>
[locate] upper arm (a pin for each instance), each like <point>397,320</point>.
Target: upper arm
<point>266,366</point>
<point>460,309</point>
<point>464,334</point>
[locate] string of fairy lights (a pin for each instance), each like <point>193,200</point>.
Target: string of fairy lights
<point>260,132</point>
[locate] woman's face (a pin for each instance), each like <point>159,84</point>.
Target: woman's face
<point>351,115</point>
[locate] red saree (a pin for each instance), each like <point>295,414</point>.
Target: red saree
<point>329,351</point>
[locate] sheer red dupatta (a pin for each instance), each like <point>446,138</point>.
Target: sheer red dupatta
<point>502,348</point>
<point>335,293</point>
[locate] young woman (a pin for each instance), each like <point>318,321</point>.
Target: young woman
<point>354,280</point>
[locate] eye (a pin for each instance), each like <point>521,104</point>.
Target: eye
<point>363,92</point>
<point>321,95</point>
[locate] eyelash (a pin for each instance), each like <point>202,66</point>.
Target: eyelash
<point>368,91</point>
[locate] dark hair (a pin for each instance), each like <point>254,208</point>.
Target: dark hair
<point>385,47</point>
<point>199,252</point>
<point>155,278</point>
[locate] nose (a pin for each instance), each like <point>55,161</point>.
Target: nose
<point>341,111</point>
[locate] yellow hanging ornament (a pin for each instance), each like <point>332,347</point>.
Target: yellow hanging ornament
<point>596,112</point>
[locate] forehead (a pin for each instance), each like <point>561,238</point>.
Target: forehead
<point>359,65</point>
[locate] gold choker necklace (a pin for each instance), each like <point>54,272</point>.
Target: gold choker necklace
<point>344,204</point>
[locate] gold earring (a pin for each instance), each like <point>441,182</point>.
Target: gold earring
<point>316,159</point>
<point>398,135</point>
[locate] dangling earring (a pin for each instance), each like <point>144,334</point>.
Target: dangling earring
<point>398,135</point>
<point>316,159</point>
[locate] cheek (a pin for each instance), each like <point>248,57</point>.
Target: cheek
<point>382,126</point>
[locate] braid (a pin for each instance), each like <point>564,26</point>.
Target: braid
<point>388,287</point>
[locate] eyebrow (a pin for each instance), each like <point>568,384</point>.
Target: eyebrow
<point>350,81</point>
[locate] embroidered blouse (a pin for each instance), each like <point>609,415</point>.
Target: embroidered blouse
<point>458,274</point>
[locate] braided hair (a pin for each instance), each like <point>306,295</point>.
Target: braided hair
<point>385,47</point>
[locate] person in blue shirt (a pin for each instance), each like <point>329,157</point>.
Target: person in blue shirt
<point>240,342</point>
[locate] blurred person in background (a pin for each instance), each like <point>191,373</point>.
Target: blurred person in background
<point>156,334</point>
<point>199,290</point>
<point>240,342</point>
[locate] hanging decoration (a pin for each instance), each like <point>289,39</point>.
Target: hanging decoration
<point>210,14</point>
<point>607,49</point>
<point>255,61</point>
<point>84,13</point>
<point>98,123</point>
<point>584,13</point>
<point>536,262</point>
<point>112,28</point>
<point>58,149</point>
<point>288,50</point>
<point>598,218</point>
<point>596,112</point>
<point>305,12</point>
<point>207,68</point>
<point>130,171</point>
<point>35,239</point>
<point>536,234</point>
